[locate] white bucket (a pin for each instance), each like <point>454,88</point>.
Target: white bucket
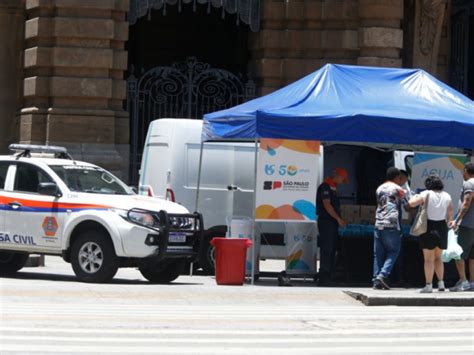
<point>301,248</point>
<point>242,227</point>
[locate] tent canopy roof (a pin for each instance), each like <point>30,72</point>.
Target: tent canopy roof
<point>345,103</point>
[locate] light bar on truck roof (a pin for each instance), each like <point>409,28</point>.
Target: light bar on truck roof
<point>27,149</point>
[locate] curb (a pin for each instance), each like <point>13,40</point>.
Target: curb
<point>411,301</point>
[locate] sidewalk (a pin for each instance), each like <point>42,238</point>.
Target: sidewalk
<point>411,297</point>
<point>195,289</point>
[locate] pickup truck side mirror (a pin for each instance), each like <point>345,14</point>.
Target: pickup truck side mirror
<point>49,189</point>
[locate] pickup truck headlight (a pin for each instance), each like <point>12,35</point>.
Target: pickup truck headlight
<point>143,218</point>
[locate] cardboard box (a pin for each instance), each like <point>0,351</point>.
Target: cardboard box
<point>364,214</point>
<point>351,213</point>
<point>367,214</point>
<point>344,212</point>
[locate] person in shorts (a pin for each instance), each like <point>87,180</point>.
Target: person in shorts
<point>440,214</point>
<point>464,222</point>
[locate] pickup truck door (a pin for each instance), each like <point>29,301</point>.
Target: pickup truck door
<point>32,220</point>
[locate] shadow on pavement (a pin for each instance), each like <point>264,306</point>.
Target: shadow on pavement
<point>71,278</point>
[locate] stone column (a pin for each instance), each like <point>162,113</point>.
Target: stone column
<point>12,20</point>
<point>380,33</point>
<point>73,86</point>
<point>340,34</point>
<point>267,47</point>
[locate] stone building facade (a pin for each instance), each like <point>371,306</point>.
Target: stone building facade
<point>63,67</point>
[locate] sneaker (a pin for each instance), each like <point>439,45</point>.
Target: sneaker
<point>461,286</point>
<point>383,282</point>
<point>377,285</point>
<point>427,289</point>
<point>441,287</point>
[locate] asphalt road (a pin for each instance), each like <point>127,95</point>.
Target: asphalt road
<point>45,310</point>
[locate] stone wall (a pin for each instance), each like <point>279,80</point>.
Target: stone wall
<point>62,63</point>
<point>12,19</point>
<point>74,61</point>
<point>300,36</point>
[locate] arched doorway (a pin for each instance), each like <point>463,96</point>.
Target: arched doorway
<point>187,61</point>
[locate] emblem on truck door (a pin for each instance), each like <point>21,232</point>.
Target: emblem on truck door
<point>50,226</point>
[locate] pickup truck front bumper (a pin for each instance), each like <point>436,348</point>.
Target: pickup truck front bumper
<point>174,235</point>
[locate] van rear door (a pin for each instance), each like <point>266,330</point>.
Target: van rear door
<point>156,164</point>
<point>215,198</point>
<point>243,179</point>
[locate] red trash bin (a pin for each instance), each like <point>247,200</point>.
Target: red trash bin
<point>230,260</point>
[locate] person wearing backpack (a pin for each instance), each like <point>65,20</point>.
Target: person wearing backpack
<point>440,214</point>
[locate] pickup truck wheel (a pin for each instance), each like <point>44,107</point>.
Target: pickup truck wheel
<point>93,258</point>
<point>207,255</point>
<point>12,262</point>
<point>164,272</point>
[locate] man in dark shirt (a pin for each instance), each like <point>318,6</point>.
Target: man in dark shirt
<point>329,219</point>
<point>465,222</point>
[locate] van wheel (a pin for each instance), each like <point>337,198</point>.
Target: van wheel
<point>207,255</point>
<point>93,258</point>
<point>163,273</point>
<point>12,262</point>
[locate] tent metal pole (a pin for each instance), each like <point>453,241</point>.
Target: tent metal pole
<point>199,177</point>
<point>254,214</point>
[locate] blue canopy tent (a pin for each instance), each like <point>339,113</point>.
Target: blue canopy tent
<point>342,103</point>
<point>380,107</point>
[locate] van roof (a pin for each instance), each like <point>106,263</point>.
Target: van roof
<point>186,122</point>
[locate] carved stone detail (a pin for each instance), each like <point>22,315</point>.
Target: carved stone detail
<point>428,26</point>
<point>431,14</point>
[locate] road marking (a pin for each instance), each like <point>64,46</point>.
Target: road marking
<point>162,316</point>
<point>236,350</point>
<point>159,331</point>
<point>440,311</point>
<point>96,323</point>
<point>224,340</point>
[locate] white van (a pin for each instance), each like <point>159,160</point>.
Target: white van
<point>170,167</point>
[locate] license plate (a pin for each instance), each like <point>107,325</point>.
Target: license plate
<point>177,238</point>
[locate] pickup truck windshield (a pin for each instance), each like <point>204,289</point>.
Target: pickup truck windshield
<point>90,179</point>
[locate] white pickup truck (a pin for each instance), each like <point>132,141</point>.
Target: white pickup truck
<point>55,205</point>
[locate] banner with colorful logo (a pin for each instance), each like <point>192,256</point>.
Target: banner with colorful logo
<point>287,178</point>
<point>449,167</point>
<point>301,248</point>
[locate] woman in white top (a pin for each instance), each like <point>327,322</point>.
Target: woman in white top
<point>440,214</point>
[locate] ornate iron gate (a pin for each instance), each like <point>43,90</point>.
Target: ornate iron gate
<point>186,89</point>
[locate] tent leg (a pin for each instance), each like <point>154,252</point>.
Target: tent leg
<point>252,274</point>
